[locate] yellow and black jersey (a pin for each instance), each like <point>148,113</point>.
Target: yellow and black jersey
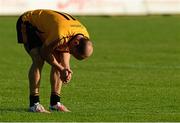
<point>52,26</point>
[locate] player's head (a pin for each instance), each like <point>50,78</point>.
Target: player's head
<point>81,47</point>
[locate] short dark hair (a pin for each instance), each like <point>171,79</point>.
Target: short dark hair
<point>81,47</point>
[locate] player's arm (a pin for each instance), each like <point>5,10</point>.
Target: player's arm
<point>46,53</point>
<point>66,59</point>
<point>66,64</point>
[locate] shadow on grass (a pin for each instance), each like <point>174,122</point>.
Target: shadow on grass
<point>20,110</point>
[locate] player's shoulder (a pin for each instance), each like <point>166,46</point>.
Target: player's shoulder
<point>62,15</point>
<point>52,13</point>
<point>41,12</point>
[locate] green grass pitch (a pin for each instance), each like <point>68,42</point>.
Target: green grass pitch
<point>133,75</point>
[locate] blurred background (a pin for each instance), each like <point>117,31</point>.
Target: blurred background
<point>93,7</point>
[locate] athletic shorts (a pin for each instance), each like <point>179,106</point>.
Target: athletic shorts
<point>26,34</point>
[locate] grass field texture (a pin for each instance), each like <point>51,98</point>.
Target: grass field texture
<point>133,75</point>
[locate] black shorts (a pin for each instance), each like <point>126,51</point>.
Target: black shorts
<point>27,35</point>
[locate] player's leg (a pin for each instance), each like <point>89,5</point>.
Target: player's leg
<point>32,46</point>
<point>27,36</point>
<point>34,81</point>
<point>56,85</point>
<point>35,75</point>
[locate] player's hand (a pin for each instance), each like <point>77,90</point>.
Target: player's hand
<point>66,75</point>
<point>68,78</point>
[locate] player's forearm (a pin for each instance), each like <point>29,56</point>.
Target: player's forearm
<point>66,60</point>
<point>49,57</point>
<point>66,64</point>
<point>52,61</point>
<point>46,53</point>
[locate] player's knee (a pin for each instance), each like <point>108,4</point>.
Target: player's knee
<point>36,58</point>
<point>38,61</point>
<point>54,70</point>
